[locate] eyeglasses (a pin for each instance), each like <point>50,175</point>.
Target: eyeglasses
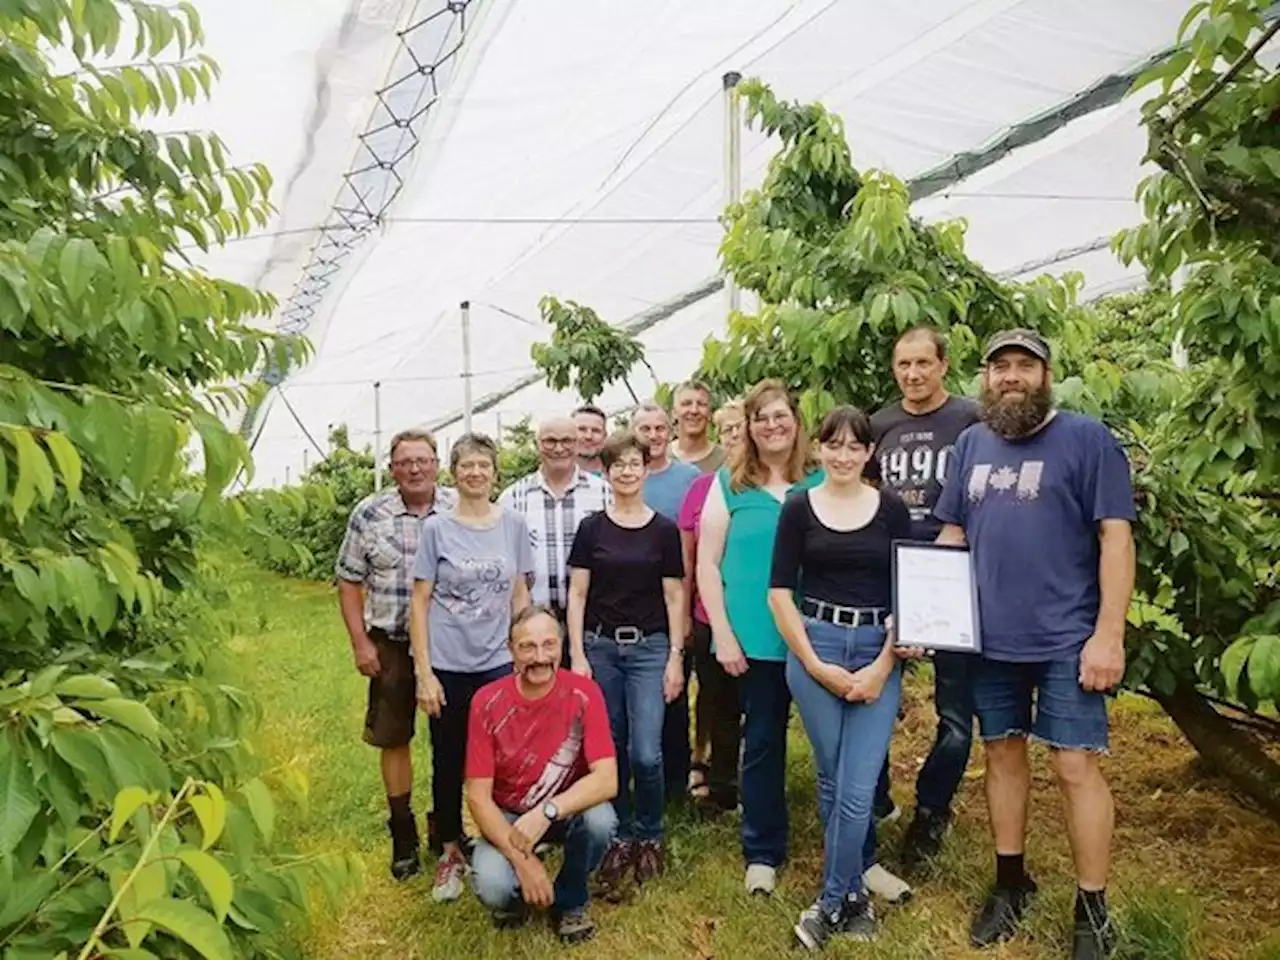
<point>775,419</point>
<point>420,463</point>
<point>550,442</point>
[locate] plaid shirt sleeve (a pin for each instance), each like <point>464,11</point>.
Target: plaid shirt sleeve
<point>353,562</point>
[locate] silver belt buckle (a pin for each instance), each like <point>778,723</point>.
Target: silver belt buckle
<point>626,636</point>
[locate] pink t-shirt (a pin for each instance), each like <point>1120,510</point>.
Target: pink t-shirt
<point>690,514</point>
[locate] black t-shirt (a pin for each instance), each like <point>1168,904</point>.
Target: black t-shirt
<point>913,451</point>
<point>851,568</point>
<point>627,569</point>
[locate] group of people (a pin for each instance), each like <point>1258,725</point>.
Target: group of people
<point>551,636</point>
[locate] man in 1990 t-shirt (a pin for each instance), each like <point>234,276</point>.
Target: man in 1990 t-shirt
<point>915,439</point>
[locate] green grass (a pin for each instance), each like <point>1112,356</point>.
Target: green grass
<point>1196,875</point>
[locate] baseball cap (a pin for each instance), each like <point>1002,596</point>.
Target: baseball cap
<point>1019,337</point>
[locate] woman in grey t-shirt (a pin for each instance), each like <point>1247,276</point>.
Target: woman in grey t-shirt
<point>469,578</point>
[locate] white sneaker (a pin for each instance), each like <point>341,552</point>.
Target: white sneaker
<point>451,869</point>
<point>761,878</point>
<point>885,885</point>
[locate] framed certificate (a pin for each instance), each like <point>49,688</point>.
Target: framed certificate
<point>935,601</point>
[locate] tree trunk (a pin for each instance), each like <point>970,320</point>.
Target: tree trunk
<point>1228,750</point>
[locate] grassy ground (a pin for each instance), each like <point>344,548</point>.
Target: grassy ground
<point>1197,875</point>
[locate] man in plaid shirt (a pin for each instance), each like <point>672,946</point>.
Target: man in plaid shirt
<point>554,499</point>
<point>375,584</point>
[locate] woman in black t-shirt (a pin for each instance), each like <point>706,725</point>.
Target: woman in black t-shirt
<point>626,629</point>
<point>830,594</point>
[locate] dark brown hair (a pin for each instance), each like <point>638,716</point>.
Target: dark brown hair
<point>846,418</point>
<point>528,613</point>
<point>619,443</point>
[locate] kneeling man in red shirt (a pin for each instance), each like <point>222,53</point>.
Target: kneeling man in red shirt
<point>541,768</point>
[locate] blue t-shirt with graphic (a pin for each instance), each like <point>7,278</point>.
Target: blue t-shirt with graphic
<point>665,490</point>
<point>1030,511</point>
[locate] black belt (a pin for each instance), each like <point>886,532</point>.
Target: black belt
<point>843,616</point>
<point>623,636</point>
<point>388,635</point>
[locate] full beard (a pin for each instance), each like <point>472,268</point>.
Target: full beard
<point>1014,420</point>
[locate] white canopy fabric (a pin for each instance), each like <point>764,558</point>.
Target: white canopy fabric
<point>578,151</point>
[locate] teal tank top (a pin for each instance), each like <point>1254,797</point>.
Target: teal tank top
<point>746,564</point>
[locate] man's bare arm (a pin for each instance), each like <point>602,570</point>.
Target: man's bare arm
<point>1117,567</point>
<point>598,786</point>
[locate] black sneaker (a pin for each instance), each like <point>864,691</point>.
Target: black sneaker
<point>999,917</point>
<point>575,926</point>
<point>513,915</point>
<point>405,861</point>
<point>1093,940</point>
<point>923,839</point>
<point>857,919</point>
<point>885,811</point>
<point>815,927</point>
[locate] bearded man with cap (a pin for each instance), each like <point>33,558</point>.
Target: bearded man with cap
<point>1044,500</point>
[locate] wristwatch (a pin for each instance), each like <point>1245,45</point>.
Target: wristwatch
<point>551,811</point>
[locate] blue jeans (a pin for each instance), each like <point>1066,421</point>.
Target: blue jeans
<point>850,741</point>
<point>586,838</point>
<point>766,705</point>
<point>1066,716</point>
<point>630,677</point>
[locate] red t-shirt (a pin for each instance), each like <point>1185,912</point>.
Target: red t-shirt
<point>536,749</point>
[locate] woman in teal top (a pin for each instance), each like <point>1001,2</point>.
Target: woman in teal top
<point>735,547</point>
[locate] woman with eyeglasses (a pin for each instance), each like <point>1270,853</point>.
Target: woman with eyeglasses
<point>713,779</point>
<point>626,629</point>
<point>735,540</point>
<point>831,594</point>
<point>469,579</point>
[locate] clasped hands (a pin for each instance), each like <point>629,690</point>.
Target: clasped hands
<point>526,833</point>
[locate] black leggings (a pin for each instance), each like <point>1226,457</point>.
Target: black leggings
<point>449,749</point>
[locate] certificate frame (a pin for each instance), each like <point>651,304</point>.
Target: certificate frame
<point>943,573</point>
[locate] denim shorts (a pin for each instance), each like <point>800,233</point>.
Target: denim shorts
<point>1065,715</point>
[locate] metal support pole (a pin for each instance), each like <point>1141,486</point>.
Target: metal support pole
<point>466,365</point>
<point>305,451</point>
<point>377,435</point>
<point>286,475</point>
<point>499,436</point>
<point>732,168</point>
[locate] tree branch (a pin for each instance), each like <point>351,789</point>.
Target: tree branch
<point>1198,103</point>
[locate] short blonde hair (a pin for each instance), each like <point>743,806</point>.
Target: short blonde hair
<point>732,407</point>
<point>413,436</point>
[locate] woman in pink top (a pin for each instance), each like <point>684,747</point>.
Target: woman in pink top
<point>717,717</point>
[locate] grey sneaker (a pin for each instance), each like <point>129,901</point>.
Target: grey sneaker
<point>575,926</point>
<point>857,919</point>
<point>761,878</point>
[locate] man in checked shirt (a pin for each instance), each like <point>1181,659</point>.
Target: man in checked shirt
<point>554,499</point>
<point>375,584</point>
